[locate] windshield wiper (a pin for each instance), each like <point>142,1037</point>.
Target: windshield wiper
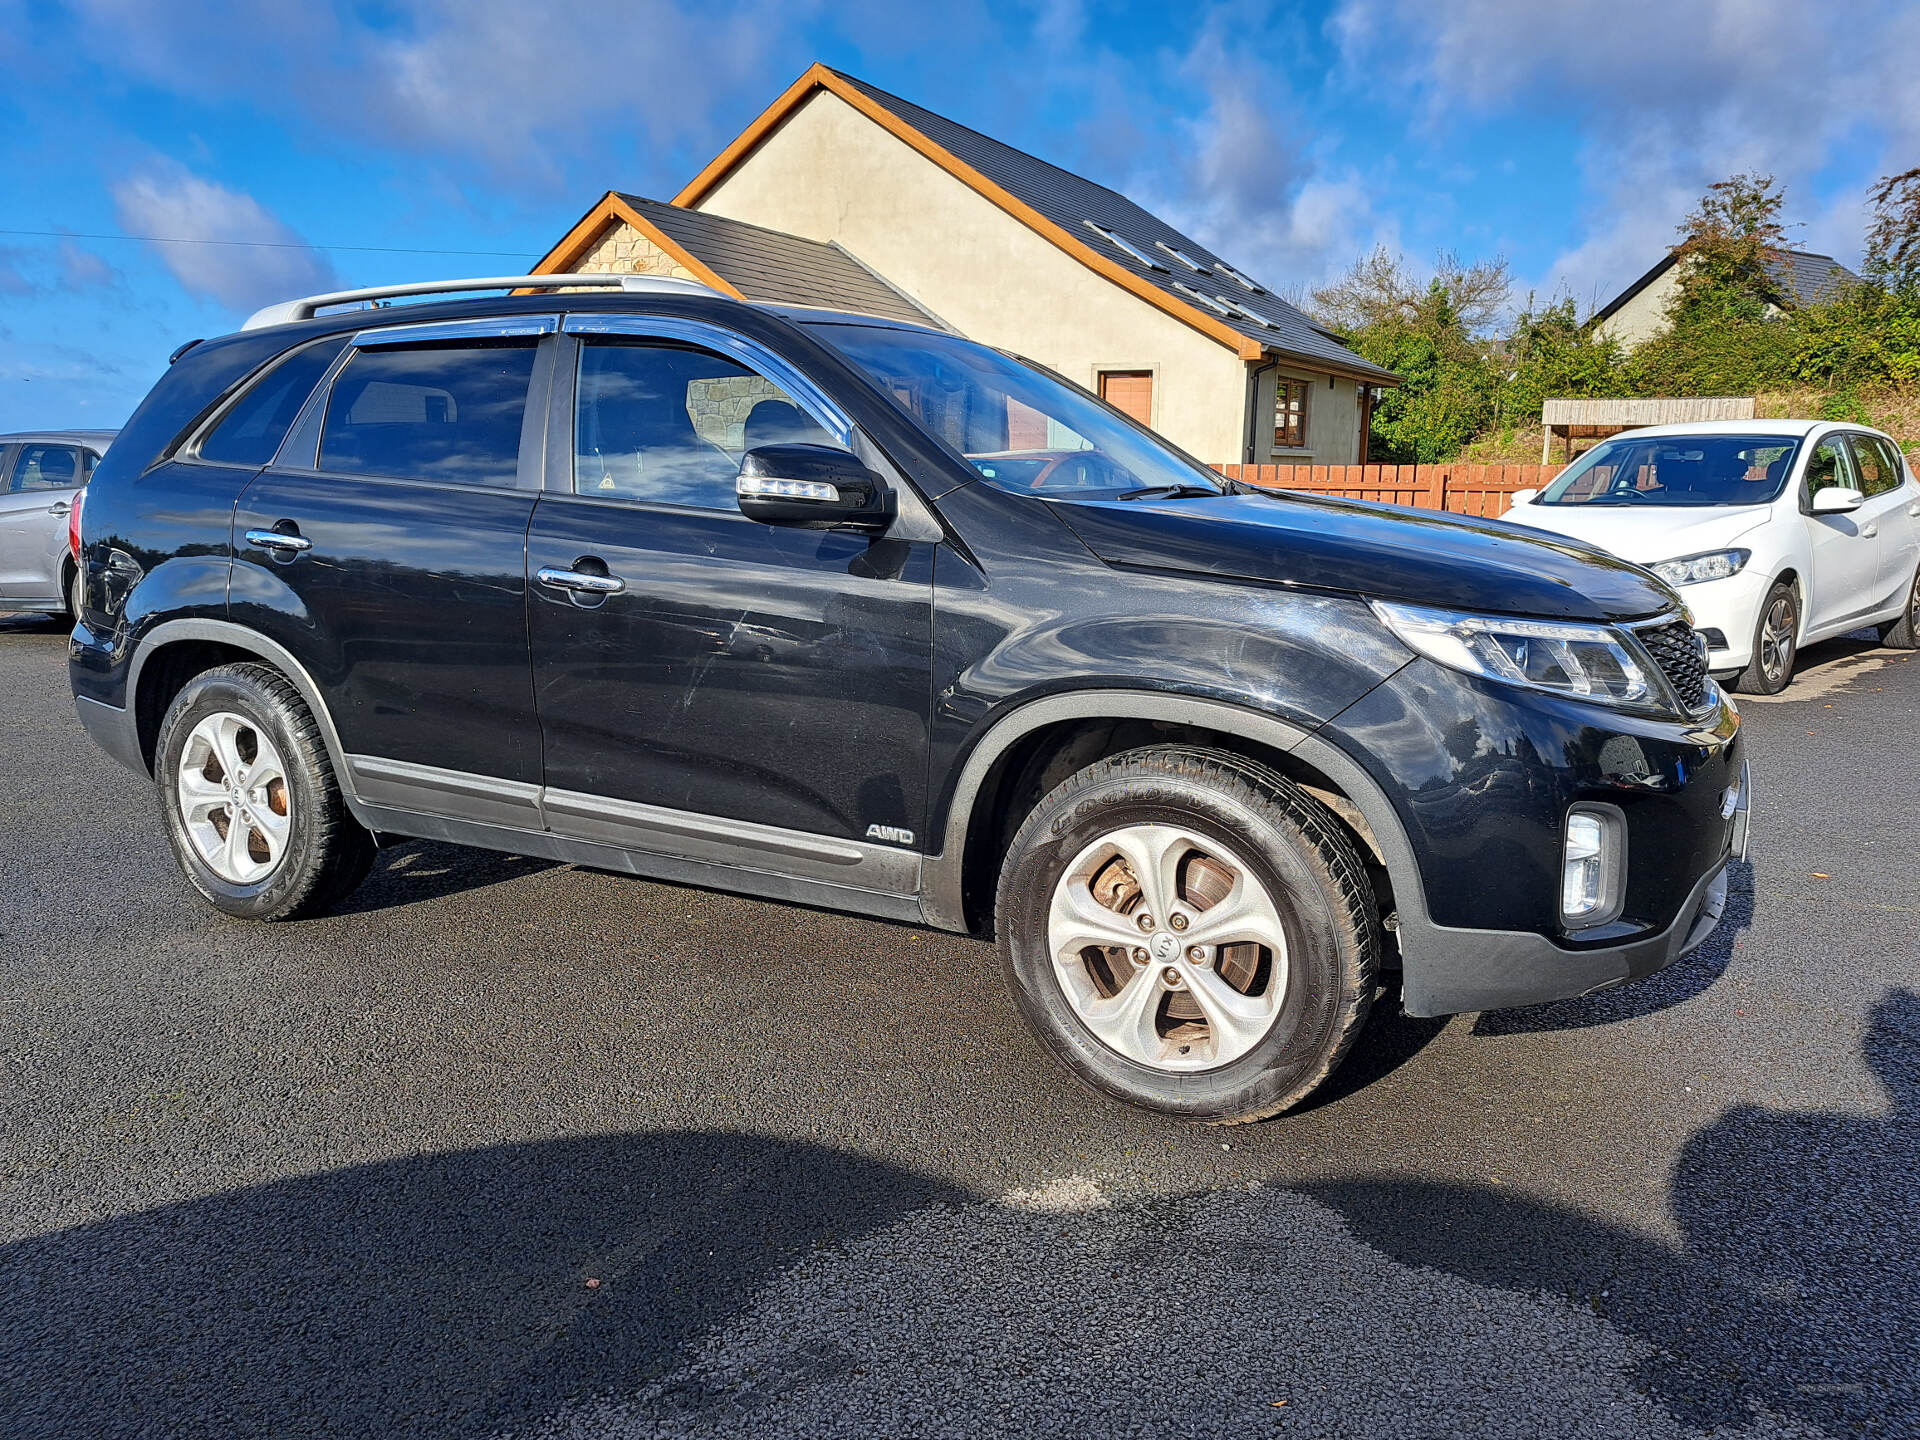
<point>1168,492</point>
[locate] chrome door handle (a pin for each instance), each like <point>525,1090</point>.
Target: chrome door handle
<point>274,540</point>
<point>59,507</point>
<point>580,580</point>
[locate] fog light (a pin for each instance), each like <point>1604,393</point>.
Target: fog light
<point>1591,867</point>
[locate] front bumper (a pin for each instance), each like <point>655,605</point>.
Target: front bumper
<point>1732,607</point>
<point>1467,970</point>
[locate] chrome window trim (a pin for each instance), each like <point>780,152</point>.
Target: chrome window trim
<point>750,353</point>
<point>519,327</point>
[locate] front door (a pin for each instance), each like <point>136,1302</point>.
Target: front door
<point>1846,549</point>
<point>718,667</point>
<point>386,548</point>
<point>36,493</point>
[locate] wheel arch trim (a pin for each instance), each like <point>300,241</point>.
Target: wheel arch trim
<point>240,637</point>
<point>944,876</point>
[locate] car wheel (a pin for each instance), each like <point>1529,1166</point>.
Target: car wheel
<point>74,591</point>
<point>1189,931</point>
<point>250,801</point>
<point>1776,638</point>
<point>1904,633</point>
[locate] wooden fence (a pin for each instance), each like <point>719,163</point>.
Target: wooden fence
<point>1463,489</point>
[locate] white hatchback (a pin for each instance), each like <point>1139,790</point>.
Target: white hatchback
<point>1776,532</point>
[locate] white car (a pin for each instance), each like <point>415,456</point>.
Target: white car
<point>1777,533</point>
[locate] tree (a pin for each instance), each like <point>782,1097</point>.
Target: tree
<point>1893,235</point>
<point>1726,249</point>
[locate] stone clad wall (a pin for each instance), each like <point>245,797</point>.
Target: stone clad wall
<point>623,250</point>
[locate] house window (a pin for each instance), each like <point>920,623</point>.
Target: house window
<point>1130,391</point>
<point>1290,414</point>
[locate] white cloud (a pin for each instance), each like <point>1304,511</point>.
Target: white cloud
<point>170,202</point>
<point>1668,95</point>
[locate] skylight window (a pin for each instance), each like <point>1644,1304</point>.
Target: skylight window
<point>1123,246</point>
<point>1246,313</point>
<point>1233,274</point>
<point>1205,299</point>
<point>1182,256</point>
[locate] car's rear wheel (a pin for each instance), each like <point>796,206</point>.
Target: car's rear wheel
<point>1189,931</point>
<point>1776,642</point>
<point>1904,633</point>
<point>73,591</point>
<point>250,800</point>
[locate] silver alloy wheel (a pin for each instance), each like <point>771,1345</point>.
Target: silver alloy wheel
<point>234,798</point>
<point>1168,948</point>
<point>1776,638</point>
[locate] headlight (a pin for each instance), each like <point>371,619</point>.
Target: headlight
<point>1692,569</point>
<point>1588,661</point>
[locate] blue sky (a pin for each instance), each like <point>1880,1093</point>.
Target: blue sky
<point>334,137</point>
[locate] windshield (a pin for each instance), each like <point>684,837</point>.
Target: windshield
<point>1023,429</point>
<point>1677,470</point>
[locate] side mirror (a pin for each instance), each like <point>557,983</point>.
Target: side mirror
<point>1837,500</point>
<point>812,487</point>
<point>1522,497</point>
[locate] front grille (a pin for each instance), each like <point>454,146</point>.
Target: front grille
<point>1682,659</point>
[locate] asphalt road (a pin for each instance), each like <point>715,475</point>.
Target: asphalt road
<point>510,1148</point>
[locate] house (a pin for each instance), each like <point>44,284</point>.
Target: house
<point>1639,312</point>
<point>844,196</point>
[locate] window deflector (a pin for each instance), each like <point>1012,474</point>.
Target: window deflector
<point>755,356</point>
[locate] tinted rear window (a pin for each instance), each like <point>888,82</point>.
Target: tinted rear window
<point>430,412</point>
<point>251,432</point>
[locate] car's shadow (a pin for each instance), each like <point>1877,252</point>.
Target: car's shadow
<point>409,871</point>
<point>465,1294</point>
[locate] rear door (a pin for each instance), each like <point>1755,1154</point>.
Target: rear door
<point>1846,548</point>
<point>386,548</point>
<point>38,493</point>
<point>749,672</point>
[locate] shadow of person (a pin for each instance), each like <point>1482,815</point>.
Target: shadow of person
<point>1678,983</point>
<point>1797,1282</point>
<point>423,870</point>
<point>442,1295</point>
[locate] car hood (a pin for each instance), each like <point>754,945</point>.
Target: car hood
<point>1645,534</point>
<point>1424,557</point>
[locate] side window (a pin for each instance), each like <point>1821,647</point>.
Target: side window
<point>668,423</point>
<point>250,433</point>
<point>46,467</point>
<point>1828,466</point>
<point>445,412</point>
<point>1878,468</point>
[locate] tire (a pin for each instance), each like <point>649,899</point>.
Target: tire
<point>73,590</point>
<point>1904,633</point>
<point>1771,665</point>
<point>302,850</point>
<point>1168,805</point>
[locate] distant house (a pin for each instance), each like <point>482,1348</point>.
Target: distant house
<point>1639,312</point>
<point>842,196</point>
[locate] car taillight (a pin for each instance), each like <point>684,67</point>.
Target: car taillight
<point>73,526</point>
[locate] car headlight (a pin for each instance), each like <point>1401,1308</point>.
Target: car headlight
<point>1591,662</point>
<point>1710,565</point>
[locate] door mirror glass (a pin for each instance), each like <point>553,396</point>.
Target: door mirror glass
<point>1837,500</point>
<point>813,487</point>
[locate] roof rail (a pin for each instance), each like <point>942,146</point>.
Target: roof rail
<point>288,312</point>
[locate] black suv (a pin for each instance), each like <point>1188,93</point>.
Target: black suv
<point>848,612</point>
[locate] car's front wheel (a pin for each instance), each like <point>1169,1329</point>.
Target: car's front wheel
<point>1904,633</point>
<point>249,798</point>
<point>1776,641</point>
<point>1189,931</point>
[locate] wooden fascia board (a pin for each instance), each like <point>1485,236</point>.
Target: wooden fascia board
<point>610,210</point>
<point>818,77</point>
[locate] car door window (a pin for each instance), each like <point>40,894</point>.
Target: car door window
<point>667,423</point>
<point>250,433</point>
<point>46,467</point>
<point>444,412</point>
<point>1877,465</point>
<point>1829,466</point>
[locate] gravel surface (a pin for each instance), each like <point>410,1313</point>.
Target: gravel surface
<point>513,1149</point>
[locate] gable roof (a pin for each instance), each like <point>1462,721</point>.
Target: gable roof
<point>1799,277</point>
<point>749,262</point>
<point>1065,208</point>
